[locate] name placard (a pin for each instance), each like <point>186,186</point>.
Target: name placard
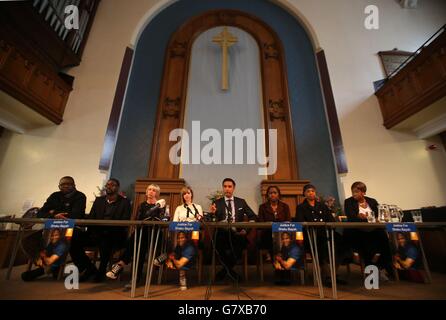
<point>184,226</point>
<point>401,227</point>
<point>59,223</point>
<point>286,227</point>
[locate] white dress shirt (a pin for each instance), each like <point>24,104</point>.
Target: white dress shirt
<point>232,207</point>
<point>181,213</point>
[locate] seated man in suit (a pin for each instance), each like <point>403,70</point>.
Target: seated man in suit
<point>230,243</point>
<point>112,206</point>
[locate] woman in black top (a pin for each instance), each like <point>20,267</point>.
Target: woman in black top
<point>146,211</point>
<point>370,244</point>
<point>312,210</point>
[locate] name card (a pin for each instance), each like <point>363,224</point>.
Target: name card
<point>59,223</point>
<point>184,226</point>
<point>286,227</point>
<point>401,227</point>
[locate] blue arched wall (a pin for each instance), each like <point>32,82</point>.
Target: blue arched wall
<point>132,152</point>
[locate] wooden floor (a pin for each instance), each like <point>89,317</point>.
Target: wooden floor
<point>48,289</point>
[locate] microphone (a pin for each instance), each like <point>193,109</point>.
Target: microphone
<point>158,205</point>
<point>161,203</point>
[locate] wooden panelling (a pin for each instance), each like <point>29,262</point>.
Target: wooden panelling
<point>33,53</point>
<point>170,112</point>
<point>31,81</point>
<point>170,191</point>
<point>291,191</point>
<point>416,86</point>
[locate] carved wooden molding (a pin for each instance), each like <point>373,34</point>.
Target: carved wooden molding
<point>170,110</point>
<point>277,110</point>
<point>270,51</point>
<point>178,49</point>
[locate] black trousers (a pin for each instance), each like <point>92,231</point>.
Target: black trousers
<point>369,243</point>
<point>229,247</point>
<point>266,240</point>
<point>107,239</point>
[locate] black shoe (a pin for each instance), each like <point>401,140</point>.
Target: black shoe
<point>99,277</point>
<point>32,274</point>
<point>221,275</point>
<point>88,273</point>
<point>234,275</point>
<point>327,282</point>
<point>341,282</point>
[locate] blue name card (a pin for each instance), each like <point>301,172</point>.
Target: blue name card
<point>286,227</point>
<point>184,226</point>
<point>401,227</point>
<point>59,223</point>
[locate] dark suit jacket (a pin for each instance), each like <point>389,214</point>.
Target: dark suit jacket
<point>319,213</point>
<point>351,208</point>
<point>241,209</point>
<point>121,210</point>
<point>266,212</point>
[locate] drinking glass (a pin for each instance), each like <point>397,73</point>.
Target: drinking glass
<point>371,217</point>
<point>394,215</point>
<point>416,216</point>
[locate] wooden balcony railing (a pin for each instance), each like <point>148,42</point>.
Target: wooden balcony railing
<point>36,47</point>
<point>419,83</point>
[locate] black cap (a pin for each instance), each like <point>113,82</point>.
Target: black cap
<point>309,186</point>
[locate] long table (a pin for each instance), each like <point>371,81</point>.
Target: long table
<point>156,227</point>
<point>330,228</point>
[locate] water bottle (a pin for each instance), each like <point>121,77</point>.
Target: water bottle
<point>166,214</point>
<point>384,215</point>
<point>394,214</point>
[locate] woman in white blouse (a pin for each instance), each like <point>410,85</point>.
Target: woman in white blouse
<point>188,211</point>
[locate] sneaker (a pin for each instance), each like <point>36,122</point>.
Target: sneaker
<point>356,258</point>
<point>183,280</point>
<point>158,261</point>
<point>128,286</point>
<point>115,271</point>
<point>383,276</point>
<point>268,258</point>
<point>89,272</point>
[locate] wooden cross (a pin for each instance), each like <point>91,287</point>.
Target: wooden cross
<point>225,40</point>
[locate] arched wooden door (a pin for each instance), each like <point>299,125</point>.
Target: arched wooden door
<point>171,105</point>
